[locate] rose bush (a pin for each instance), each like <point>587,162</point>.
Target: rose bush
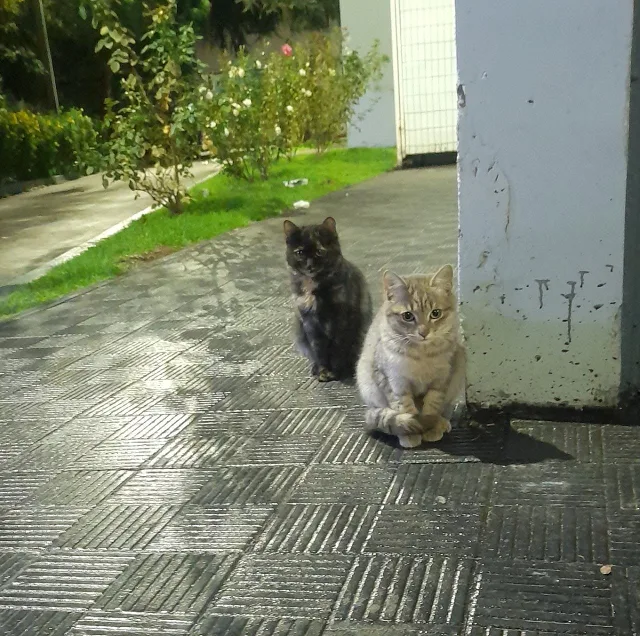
<point>154,128</point>
<point>265,106</point>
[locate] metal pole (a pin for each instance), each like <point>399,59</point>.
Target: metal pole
<point>49,59</point>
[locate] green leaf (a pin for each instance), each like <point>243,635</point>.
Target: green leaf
<point>82,10</point>
<point>114,65</point>
<point>104,30</point>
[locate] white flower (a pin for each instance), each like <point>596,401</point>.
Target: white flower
<point>307,93</point>
<point>240,72</point>
<point>259,63</point>
<point>302,72</point>
<point>236,112</point>
<point>202,89</point>
<point>307,65</point>
<point>232,71</point>
<point>278,129</point>
<point>212,124</point>
<point>332,72</point>
<point>289,108</point>
<point>247,102</point>
<point>235,105</point>
<point>209,95</point>
<point>226,132</point>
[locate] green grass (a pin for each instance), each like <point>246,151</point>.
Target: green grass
<point>230,204</point>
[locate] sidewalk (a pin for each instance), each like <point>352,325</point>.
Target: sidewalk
<point>40,225</point>
<point>168,466</point>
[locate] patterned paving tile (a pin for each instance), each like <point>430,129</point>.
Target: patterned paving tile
<point>211,529</point>
<point>342,484</point>
<point>18,622</point>
<point>100,623</point>
<point>425,484</point>
<point>317,529</point>
<point>559,598</point>
<point>566,483</point>
<point>440,529</point>
<point>249,485</point>
<point>406,591</point>
<point>16,487</point>
<point>180,583</point>
<point>117,527</point>
<point>81,487</point>
<point>35,528</point>
<point>295,586</point>
<point>547,533</point>
<point>63,582</point>
<point>549,441</point>
<point>254,626</point>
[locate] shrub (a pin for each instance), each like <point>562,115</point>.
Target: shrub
<point>35,146</point>
<point>254,114</point>
<point>336,78</point>
<point>265,106</point>
<point>154,128</point>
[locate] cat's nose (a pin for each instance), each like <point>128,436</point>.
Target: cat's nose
<point>422,330</point>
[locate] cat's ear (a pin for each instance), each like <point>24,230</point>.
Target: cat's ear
<point>289,228</point>
<point>443,278</point>
<point>330,224</point>
<point>394,287</point>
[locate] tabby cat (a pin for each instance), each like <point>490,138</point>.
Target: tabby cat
<point>412,366</point>
<point>332,302</point>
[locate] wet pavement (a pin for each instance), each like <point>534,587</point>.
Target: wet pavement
<point>39,226</point>
<point>169,467</point>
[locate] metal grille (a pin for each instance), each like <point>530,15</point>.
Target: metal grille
<point>425,66</point>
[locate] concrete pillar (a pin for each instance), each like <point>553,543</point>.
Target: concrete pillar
<point>543,160</point>
<point>367,21</point>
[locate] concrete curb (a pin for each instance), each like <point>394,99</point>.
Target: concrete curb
<point>76,251</point>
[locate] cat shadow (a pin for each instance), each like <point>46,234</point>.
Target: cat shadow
<point>522,448</point>
<point>497,444</point>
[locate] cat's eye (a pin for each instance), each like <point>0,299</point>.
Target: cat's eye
<point>408,316</point>
<point>298,252</point>
<point>436,313</point>
<point>320,251</point>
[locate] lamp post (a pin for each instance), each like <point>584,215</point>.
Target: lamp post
<point>45,41</point>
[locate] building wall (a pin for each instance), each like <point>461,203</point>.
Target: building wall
<point>630,328</point>
<point>543,116</point>
<point>366,21</point>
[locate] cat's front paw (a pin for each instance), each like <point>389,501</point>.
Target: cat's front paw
<point>410,441</point>
<point>436,430</point>
<point>408,423</point>
<point>324,375</point>
<point>406,407</point>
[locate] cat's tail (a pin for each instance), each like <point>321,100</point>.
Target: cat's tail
<point>391,422</point>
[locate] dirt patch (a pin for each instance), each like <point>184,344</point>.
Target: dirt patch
<point>135,259</point>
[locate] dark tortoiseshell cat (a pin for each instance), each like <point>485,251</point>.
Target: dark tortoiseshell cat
<point>332,303</point>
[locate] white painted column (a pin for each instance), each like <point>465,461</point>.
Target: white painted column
<point>543,117</point>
